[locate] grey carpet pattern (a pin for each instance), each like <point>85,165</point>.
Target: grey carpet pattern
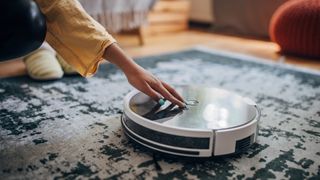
<point>70,128</point>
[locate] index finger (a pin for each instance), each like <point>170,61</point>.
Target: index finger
<point>173,91</point>
<point>167,95</point>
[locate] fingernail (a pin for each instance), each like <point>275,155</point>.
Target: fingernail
<point>161,101</point>
<point>184,106</point>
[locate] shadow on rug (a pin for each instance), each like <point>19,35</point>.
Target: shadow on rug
<point>71,128</point>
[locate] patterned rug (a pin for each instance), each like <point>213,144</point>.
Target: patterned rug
<point>70,128</point>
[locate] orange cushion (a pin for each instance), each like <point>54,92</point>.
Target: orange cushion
<point>295,26</point>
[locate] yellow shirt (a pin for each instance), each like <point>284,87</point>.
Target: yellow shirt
<point>76,36</point>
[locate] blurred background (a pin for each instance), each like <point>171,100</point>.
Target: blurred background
<point>150,27</point>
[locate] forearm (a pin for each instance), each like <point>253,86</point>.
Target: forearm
<point>115,55</point>
<point>140,78</point>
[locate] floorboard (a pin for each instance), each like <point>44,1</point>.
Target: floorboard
<point>158,44</point>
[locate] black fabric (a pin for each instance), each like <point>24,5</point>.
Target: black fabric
<point>23,28</point>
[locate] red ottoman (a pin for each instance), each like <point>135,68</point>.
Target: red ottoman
<point>295,26</point>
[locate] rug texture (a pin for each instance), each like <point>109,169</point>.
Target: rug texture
<point>70,128</point>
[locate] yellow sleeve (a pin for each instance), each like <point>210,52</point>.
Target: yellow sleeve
<point>76,36</point>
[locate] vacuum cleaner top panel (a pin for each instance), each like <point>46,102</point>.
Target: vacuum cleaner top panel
<point>207,108</point>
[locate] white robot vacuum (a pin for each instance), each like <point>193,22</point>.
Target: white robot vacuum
<point>216,122</point>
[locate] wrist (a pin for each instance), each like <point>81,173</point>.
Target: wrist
<point>116,56</point>
<point>131,69</point>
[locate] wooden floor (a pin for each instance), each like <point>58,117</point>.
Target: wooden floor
<point>177,41</point>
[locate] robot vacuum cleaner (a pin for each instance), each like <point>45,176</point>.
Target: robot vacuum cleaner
<point>216,122</point>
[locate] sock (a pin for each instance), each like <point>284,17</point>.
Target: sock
<point>65,66</point>
<point>43,65</point>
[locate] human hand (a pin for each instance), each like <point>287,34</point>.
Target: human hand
<point>153,87</point>
<point>140,78</point>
